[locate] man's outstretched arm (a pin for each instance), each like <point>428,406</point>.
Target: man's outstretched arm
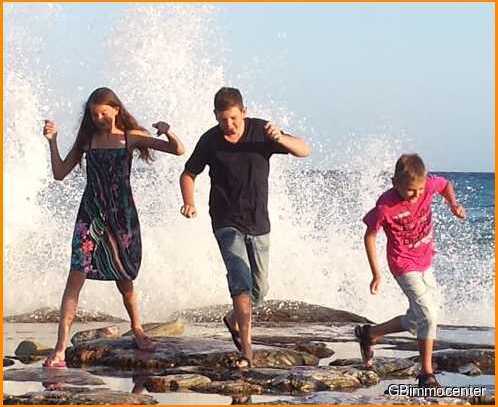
<point>187,186</point>
<point>293,145</point>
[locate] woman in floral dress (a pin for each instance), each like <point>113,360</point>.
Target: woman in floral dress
<point>106,241</point>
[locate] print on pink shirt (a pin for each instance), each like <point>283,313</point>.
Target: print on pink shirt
<point>415,230</point>
<point>408,227</point>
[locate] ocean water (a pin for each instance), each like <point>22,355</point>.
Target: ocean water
<point>465,262</point>
<point>317,251</point>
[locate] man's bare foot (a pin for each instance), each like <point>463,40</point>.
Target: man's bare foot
<point>232,320</point>
<point>231,324</point>
<point>143,342</point>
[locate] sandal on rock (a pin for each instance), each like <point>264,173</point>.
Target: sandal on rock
<point>362,333</point>
<point>428,380</point>
<point>234,333</point>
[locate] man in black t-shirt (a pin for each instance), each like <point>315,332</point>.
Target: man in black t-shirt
<point>238,152</point>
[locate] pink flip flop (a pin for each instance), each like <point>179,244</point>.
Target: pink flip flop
<point>55,365</point>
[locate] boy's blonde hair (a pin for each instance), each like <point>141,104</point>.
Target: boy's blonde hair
<point>409,167</point>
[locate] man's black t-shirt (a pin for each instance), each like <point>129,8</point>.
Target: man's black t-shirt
<point>239,176</point>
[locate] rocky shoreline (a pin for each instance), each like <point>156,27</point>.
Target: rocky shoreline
<point>294,362</point>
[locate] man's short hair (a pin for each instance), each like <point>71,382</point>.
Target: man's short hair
<point>227,98</point>
<point>409,167</point>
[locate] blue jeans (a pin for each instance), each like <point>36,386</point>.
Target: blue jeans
<point>246,258</point>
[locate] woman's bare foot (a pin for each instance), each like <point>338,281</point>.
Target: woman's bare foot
<point>55,359</point>
<point>241,363</point>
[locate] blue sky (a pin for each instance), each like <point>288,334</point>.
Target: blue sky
<point>426,71</point>
<point>420,72</point>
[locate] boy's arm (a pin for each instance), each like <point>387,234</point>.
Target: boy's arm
<point>371,249</point>
<point>193,167</point>
<point>293,145</point>
<point>187,183</point>
<point>449,195</point>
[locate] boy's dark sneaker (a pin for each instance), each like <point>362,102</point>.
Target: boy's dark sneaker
<point>362,333</point>
<point>428,380</point>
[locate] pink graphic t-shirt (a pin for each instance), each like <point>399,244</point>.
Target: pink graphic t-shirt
<point>408,226</point>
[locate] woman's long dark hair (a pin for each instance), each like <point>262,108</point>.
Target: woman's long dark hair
<point>124,120</point>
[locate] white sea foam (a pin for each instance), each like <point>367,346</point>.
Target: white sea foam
<point>166,62</point>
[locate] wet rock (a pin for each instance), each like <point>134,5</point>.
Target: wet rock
<point>411,344</point>
<point>307,379</point>
<point>269,338</point>
<point>47,314</point>
<point>91,334</point>
<point>40,374</point>
<point>171,328</point>
<point>263,376</point>
<point>259,376</point>
<point>488,396</point>
<point>318,349</point>
<point>334,397</point>
<point>28,352</point>
<point>110,371</point>
<point>174,352</point>
<point>290,335</point>
<point>161,384</point>
<point>278,357</point>
<point>229,387</point>
<point>486,399</point>
<point>452,360</point>
<point>28,360</point>
<point>449,360</point>
<point>392,367</point>
<point>276,311</point>
<point>68,387</point>
<point>347,362</point>
<point>470,369</point>
<point>27,349</point>
<point>365,377</point>
<point>411,371</point>
<point>7,362</point>
<point>79,396</point>
<point>385,367</point>
<point>214,373</point>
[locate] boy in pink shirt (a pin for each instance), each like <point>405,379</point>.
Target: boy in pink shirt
<point>404,212</point>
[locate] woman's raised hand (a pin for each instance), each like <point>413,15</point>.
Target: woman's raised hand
<point>49,130</point>
<point>162,128</point>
